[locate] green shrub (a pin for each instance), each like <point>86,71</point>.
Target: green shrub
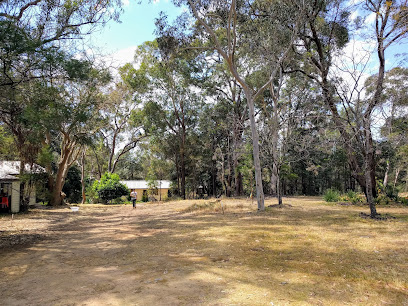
<point>121,200</point>
<point>404,201</point>
<point>109,187</point>
<point>391,192</point>
<point>354,197</point>
<point>331,195</point>
<point>382,199</point>
<point>73,187</point>
<point>91,194</point>
<point>351,194</point>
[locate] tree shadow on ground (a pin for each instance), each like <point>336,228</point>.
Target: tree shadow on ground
<point>173,258</point>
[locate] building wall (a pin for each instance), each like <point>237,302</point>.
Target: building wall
<point>164,193</point>
<point>32,196</point>
<point>15,197</point>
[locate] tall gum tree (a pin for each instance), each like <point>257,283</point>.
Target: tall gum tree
<point>171,104</point>
<point>325,32</point>
<point>119,125</point>
<point>231,115</point>
<point>287,109</point>
<point>239,32</point>
<point>34,38</point>
<point>68,122</point>
<point>33,31</point>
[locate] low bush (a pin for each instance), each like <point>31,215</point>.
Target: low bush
<point>354,197</point>
<point>391,192</point>
<point>403,201</point>
<point>145,197</point>
<point>109,187</point>
<point>331,195</point>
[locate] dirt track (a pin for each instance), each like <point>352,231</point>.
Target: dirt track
<point>104,256</point>
<point>95,257</point>
<point>160,255</point>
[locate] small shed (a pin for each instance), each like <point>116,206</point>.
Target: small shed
<point>10,185</point>
<point>142,187</point>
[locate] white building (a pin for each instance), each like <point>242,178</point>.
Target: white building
<point>10,183</point>
<point>142,187</point>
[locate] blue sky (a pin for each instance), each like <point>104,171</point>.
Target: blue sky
<point>121,39</point>
<point>137,26</point>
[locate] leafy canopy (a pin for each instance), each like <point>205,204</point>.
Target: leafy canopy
<point>109,187</point>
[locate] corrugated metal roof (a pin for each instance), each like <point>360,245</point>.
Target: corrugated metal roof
<point>143,184</point>
<point>9,170</point>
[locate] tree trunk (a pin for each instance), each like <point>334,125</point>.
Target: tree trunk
<point>240,185</point>
<point>387,169</point>
<point>214,178</point>
<point>112,153</point>
<point>257,162</point>
<point>69,153</point>
<point>57,196</point>
<point>237,189</point>
<point>397,171</point>
<point>237,181</point>
<point>369,153</point>
<point>83,177</point>
<point>183,170</point>
<point>274,180</point>
<point>160,182</point>
<point>279,189</point>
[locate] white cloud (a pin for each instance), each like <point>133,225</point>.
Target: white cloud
<point>158,1</point>
<point>370,19</point>
<point>354,65</point>
<point>125,2</point>
<point>124,56</point>
<point>117,59</point>
<point>120,57</point>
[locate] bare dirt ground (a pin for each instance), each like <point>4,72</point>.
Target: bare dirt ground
<point>178,253</point>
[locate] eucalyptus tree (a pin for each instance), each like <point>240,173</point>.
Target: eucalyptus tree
<point>38,39</point>
<point>120,123</point>
<point>322,37</point>
<point>248,36</point>
<point>225,129</point>
<point>33,33</point>
<point>68,123</point>
<point>394,103</point>
<point>14,112</point>
<point>290,115</point>
<point>171,103</point>
<point>7,146</point>
<point>229,117</point>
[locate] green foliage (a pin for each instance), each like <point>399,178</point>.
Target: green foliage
<point>91,194</point>
<point>135,78</point>
<point>109,187</point>
<point>331,195</point>
<point>246,167</point>
<point>382,199</point>
<point>8,149</point>
<point>45,156</point>
<point>353,197</point>
<point>403,201</point>
<point>73,187</point>
<point>391,192</point>
<point>40,181</point>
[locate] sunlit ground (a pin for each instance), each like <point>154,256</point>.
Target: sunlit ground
<point>207,252</point>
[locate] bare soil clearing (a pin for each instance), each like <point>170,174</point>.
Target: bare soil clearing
<point>175,253</point>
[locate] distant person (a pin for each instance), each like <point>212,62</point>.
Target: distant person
<point>133,197</point>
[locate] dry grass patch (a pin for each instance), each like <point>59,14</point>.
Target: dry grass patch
<point>190,253</point>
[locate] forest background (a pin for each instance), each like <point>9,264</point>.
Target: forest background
<point>232,98</point>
